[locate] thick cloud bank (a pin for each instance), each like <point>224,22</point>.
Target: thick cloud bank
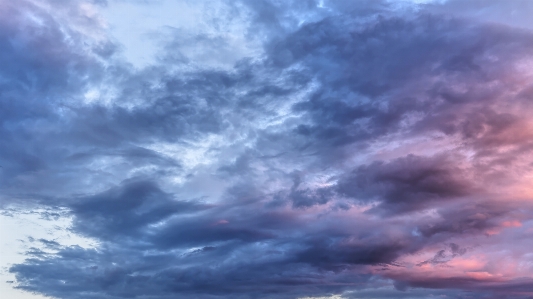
<point>364,149</point>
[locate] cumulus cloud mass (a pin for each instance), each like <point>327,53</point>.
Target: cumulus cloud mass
<point>282,149</point>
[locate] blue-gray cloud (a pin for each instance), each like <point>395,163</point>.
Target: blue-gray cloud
<point>361,135</point>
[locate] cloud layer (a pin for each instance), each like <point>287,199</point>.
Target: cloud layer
<point>369,150</point>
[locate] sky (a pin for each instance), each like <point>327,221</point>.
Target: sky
<point>282,149</point>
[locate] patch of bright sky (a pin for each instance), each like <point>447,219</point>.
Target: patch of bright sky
<point>133,24</point>
<point>190,154</point>
<point>20,231</point>
<point>141,27</point>
<point>104,94</point>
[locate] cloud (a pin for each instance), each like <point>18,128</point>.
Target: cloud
<point>368,150</point>
<point>408,183</point>
<point>121,212</point>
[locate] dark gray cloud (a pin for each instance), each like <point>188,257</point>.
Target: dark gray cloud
<point>408,183</point>
<point>122,212</point>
